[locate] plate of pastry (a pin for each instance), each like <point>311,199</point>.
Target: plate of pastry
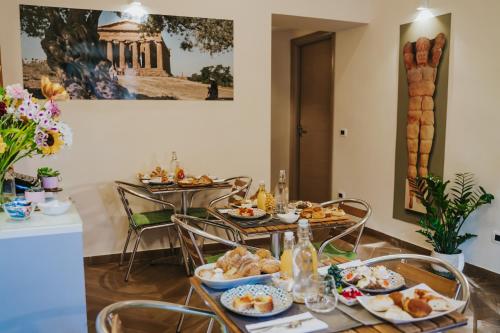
<point>238,267</point>
<point>257,300</point>
<point>195,182</point>
<point>414,304</point>
<point>377,279</point>
<point>322,213</point>
<point>246,213</point>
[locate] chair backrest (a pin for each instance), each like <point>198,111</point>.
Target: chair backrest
<point>239,190</point>
<point>363,214</point>
<point>414,274</point>
<point>124,189</point>
<point>107,320</point>
<point>191,229</point>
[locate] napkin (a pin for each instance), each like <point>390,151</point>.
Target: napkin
<point>308,324</point>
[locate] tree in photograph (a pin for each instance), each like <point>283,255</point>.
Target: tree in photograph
<point>220,74</point>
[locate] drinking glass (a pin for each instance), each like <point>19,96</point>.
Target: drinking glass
<point>321,296</point>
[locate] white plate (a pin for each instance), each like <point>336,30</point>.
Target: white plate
<point>282,300</point>
<point>349,301</point>
<point>396,281</point>
<point>257,213</point>
<point>226,284</point>
<point>455,305</point>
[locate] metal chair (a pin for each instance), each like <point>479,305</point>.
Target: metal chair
<point>448,286</point>
<point>108,322</point>
<point>362,214</point>
<point>144,221</point>
<point>190,228</point>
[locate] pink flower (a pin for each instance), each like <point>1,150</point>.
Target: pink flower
<point>17,91</point>
<point>52,108</point>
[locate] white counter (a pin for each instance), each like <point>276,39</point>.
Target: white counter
<point>42,284</point>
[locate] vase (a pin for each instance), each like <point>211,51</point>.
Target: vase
<point>7,186</point>
<point>50,182</point>
<point>456,260</point>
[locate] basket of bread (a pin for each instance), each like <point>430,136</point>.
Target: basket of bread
<point>322,214</point>
<point>237,267</point>
<point>414,304</point>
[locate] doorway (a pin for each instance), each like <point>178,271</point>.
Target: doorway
<point>311,125</point>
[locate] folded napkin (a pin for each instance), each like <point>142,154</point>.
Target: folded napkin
<point>308,323</point>
<point>349,264</point>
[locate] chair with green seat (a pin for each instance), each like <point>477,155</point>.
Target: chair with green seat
<point>143,221</point>
<point>361,214</point>
<point>191,231</point>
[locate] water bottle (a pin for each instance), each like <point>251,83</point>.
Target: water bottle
<point>305,262</point>
<point>281,194</point>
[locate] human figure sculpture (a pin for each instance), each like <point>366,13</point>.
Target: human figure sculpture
<point>421,61</point>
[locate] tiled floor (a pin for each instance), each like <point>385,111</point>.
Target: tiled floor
<point>167,282</point>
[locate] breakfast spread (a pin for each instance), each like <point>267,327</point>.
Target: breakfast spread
<point>261,303</point>
<point>193,181</point>
<point>239,263</point>
<point>321,212</point>
<point>371,278</point>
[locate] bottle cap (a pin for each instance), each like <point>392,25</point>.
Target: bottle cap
<point>303,223</point>
<point>289,235</point>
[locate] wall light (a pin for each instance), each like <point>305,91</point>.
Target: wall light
<point>423,5</point>
<point>135,11</point>
<point>424,11</point>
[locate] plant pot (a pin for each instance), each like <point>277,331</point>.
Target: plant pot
<point>456,260</point>
<point>50,182</point>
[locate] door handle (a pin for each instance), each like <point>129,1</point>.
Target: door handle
<point>301,131</point>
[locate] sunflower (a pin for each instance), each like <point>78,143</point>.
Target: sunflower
<point>53,90</point>
<point>3,145</point>
<point>53,143</point>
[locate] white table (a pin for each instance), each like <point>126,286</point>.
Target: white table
<point>42,286</point>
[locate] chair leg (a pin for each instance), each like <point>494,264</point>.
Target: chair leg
<point>210,325</point>
<point>125,247</point>
<point>186,303</point>
<point>359,238</point>
<point>170,242</point>
<point>133,255</point>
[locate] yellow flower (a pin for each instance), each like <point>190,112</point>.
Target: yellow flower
<point>3,145</point>
<point>53,90</point>
<point>53,143</point>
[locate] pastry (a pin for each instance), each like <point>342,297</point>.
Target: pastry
<point>397,297</point>
<point>306,213</point>
<point>318,213</point>
<point>416,307</point>
<point>381,303</point>
<point>396,313</point>
<point>206,273</point>
<point>263,303</point>
<point>263,253</point>
<point>269,266</point>
<point>243,303</point>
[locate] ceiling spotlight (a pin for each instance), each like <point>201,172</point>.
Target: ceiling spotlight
<point>423,5</point>
<point>135,11</point>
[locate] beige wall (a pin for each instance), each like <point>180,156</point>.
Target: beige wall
<point>366,102</point>
<point>115,139</point>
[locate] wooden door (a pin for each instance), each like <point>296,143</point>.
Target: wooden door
<point>314,120</point>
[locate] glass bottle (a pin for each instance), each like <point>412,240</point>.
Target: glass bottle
<point>174,164</point>
<point>286,265</point>
<point>305,262</point>
<point>261,196</point>
<point>281,194</point>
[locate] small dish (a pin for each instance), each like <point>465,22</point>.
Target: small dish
<point>349,296</point>
<point>290,217</point>
<point>256,213</point>
<point>18,209</point>
<point>54,207</point>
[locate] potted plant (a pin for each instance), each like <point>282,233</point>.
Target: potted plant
<point>447,209</point>
<point>49,177</point>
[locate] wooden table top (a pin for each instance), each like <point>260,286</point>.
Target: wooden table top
<point>281,226</point>
<point>175,188</point>
<point>439,324</point>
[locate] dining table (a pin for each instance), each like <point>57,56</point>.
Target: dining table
<point>343,318</point>
<point>271,225</point>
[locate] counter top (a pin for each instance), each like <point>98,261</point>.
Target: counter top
<point>40,224</point>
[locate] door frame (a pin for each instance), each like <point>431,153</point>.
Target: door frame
<point>295,81</point>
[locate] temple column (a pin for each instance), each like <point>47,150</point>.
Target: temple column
<point>135,56</point>
<point>147,55</point>
<point>109,50</point>
<point>159,55</point>
<point>122,55</point>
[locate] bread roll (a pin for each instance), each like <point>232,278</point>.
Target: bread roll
<point>263,304</point>
<point>243,303</point>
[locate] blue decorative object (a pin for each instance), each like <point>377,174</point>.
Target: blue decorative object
<point>18,209</point>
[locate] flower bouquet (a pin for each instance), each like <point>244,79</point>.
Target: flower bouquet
<point>29,126</point>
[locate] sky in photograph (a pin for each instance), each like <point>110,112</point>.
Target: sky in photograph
<point>182,62</point>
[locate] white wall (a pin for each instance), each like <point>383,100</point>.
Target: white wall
<point>366,104</point>
<point>116,139</point>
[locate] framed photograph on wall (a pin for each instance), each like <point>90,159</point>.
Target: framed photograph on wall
<point>422,106</point>
<point>98,54</point>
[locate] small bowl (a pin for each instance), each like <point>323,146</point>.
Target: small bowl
<point>290,217</point>
<point>18,210</point>
<point>54,207</point>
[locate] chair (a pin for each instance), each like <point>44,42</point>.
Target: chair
<point>190,228</point>
<point>440,284</point>
<point>362,214</point>
<point>108,320</point>
<point>144,221</point>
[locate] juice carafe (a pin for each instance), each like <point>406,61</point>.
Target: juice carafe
<point>286,257</point>
<point>261,196</point>
<point>305,262</point>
